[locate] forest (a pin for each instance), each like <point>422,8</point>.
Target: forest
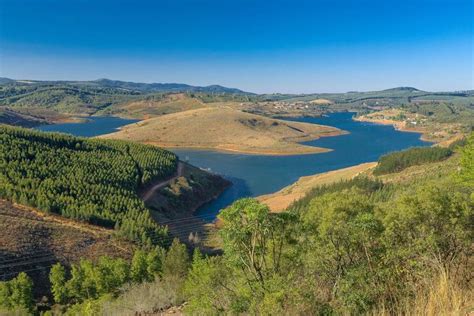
<point>361,246</point>
<point>397,161</point>
<point>90,180</point>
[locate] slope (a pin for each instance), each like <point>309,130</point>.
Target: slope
<point>223,128</point>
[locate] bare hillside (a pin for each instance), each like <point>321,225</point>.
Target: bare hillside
<point>227,129</point>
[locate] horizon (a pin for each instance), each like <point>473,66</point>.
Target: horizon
<point>283,47</point>
<point>238,88</point>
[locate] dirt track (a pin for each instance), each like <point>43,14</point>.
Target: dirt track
<point>149,193</point>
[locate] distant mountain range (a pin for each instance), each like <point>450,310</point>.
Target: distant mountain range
<point>132,86</point>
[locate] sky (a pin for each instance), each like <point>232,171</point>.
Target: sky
<point>286,46</point>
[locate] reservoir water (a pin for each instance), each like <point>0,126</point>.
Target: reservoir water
<point>254,175</point>
<point>92,126</point>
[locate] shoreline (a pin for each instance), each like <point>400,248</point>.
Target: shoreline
<point>317,150</point>
<point>399,126</point>
<point>300,149</point>
<point>237,132</point>
<point>280,200</point>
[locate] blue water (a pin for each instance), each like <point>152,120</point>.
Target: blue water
<point>94,126</point>
<point>254,175</point>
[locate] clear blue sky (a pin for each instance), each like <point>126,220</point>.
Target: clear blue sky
<point>260,46</point>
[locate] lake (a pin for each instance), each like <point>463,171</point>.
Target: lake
<point>93,126</point>
<point>254,175</point>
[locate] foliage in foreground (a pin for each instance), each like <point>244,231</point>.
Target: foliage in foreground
<point>397,161</point>
<point>87,179</point>
<point>354,247</point>
<point>16,295</point>
<point>349,253</point>
<point>90,288</point>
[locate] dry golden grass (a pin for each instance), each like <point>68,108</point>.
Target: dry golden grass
<point>442,296</point>
<point>226,129</point>
<point>172,103</point>
<point>280,200</point>
<point>321,101</point>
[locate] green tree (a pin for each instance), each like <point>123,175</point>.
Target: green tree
<point>466,174</point>
<point>176,262</point>
<point>343,247</point>
<point>16,295</point>
<point>154,262</point>
<point>175,268</point>
<point>57,277</point>
<point>208,286</point>
<point>254,239</point>
<point>138,269</point>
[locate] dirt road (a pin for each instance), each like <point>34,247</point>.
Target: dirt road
<point>149,193</point>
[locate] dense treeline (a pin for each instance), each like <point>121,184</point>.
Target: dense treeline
<point>397,161</point>
<point>87,179</point>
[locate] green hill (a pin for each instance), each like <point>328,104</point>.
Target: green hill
<point>87,179</point>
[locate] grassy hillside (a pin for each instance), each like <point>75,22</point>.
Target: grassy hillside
<point>90,180</point>
<point>435,124</point>
<point>155,105</point>
<point>52,101</point>
<point>281,200</point>
<point>14,118</point>
<point>223,128</point>
<point>49,99</point>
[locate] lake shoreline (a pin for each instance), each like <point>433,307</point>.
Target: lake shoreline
<point>398,125</point>
<point>310,151</point>
<point>255,174</point>
<point>227,130</point>
<point>280,200</point>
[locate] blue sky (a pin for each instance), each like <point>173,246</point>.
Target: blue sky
<point>260,46</point>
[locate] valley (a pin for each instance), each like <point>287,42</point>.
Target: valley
<point>135,206</point>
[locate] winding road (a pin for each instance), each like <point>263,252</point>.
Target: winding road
<point>149,192</point>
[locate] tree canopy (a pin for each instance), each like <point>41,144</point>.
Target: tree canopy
<point>92,180</point>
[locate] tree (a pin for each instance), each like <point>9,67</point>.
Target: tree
<point>343,247</point>
<point>466,174</point>
<point>57,277</point>
<point>138,269</point>
<point>154,262</point>
<point>176,262</point>
<point>17,294</point>
<point>208,286</point>
<point>254,239</point>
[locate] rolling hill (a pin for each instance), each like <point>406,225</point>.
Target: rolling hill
<point>227,129</point>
